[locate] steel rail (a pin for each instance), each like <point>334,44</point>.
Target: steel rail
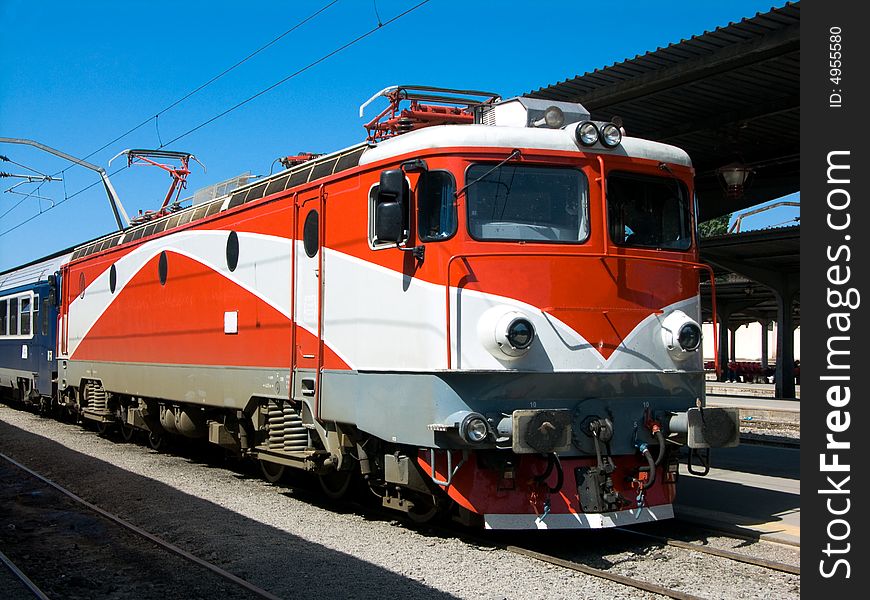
<point>163,543</point>
<point>728,554</point>
<point>34,589</point>
<point>616,578</point>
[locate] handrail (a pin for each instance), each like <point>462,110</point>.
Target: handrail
<point>599,255</point>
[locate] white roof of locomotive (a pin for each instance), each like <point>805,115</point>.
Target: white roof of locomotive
<point>487,136</point>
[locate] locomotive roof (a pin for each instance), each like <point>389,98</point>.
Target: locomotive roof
<point>441,136</point>
<point>447,136</point>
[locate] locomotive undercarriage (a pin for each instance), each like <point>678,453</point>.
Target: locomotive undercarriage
<point>592,464</point>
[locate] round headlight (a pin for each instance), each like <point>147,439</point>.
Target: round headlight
<point>586,133</point>
<point>689,337</point>
<point>474,428</point>
<point>521,334</point>
<point>610,135</point>
<point>554,117</point>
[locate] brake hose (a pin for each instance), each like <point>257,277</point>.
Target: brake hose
<point>553,460</point>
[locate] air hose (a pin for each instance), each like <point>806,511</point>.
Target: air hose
<point>644,449</point>
<point>553,461</point>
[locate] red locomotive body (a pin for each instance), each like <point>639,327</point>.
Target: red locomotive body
<point>497,318</point>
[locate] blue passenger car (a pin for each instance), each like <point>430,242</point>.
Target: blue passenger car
<point>28,329</point>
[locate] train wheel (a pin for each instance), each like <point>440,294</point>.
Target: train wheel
<point>103,428</point>
<point>336,484</point>
<point>425,509</point>
<point>157,441</point>
<point>272,472</point>
<point>127,432</point>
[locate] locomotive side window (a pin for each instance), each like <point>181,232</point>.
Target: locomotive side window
<point>524,203</point>
<point>436,206</point>
<point>648,211</point>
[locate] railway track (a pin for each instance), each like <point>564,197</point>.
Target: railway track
<point>602,574</point>
<point>648,586</point>
<point>245,586</point>
<point>32,588</point>
<point>709,550</point>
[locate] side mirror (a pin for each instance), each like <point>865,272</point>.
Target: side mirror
<point>392,186</point>
<point>389,222</point>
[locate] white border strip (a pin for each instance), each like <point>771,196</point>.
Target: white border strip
<point>580,520</point>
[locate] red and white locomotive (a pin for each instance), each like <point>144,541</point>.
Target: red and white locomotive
<point>489,308</point>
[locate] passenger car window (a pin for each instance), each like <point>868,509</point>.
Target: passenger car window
<point>3,318</point>
<point>25,315</point>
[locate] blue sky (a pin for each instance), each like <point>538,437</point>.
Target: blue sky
<point>75,75</point>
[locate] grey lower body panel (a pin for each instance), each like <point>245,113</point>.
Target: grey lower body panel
<point>223,387</point>
<point>401,407</point>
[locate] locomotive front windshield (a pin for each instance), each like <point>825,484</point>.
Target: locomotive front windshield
<point>525,203</point>
<point>647,211</point>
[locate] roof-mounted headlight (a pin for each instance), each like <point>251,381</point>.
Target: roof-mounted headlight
<point>554,117</point>
<point>611,136</point>
<point>586,133</point>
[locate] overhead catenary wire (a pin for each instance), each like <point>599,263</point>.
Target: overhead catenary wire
<point>199,88</point>
<point>215,78</point>
<point>232,108</point>
<point>298,72</point>
<point>55,205</point>
<point>7,159</point>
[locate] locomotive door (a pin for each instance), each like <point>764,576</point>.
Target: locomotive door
<point>307,290</point>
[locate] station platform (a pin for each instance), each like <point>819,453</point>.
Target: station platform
<point>750,390</point>
<point>756,403</point>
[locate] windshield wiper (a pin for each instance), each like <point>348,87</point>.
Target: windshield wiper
<point>516,153</point>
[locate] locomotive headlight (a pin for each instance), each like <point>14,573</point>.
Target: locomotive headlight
<point>689,337</point>
<point>586,133</point>
<point>506,332</point>
<point>474,429</point>
<point>554,117</point>
<point>520,334</point>
<point>611,136</point>
<point>681,335</point>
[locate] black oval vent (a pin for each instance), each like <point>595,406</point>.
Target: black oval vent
<point>162,267</point>
<point>310,233</point>
<point>233,251</point>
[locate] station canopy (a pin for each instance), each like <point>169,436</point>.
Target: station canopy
<point>728,97</point>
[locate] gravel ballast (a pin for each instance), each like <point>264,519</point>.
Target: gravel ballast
<point>292,544</point>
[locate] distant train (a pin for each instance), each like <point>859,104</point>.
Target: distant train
<point>489,309</point>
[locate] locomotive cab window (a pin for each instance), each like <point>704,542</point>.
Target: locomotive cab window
<point>436,206</point>
<point>648,211</point>
<point>525,203</point>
